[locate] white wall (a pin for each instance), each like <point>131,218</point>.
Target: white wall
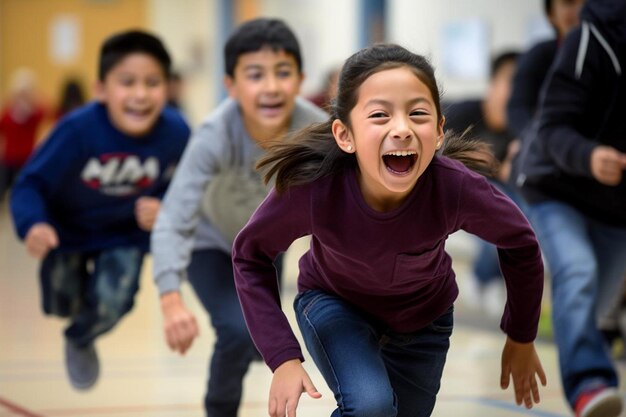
<point>186,27</point>
<point>417,25</point>
<point>326,29</point>
<point>328,34</point>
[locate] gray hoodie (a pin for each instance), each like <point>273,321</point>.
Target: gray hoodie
<point>204,203</point>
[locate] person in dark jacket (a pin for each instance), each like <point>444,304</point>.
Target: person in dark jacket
<point>485,119</point>
<point>572,176</point>
<point>533,65</point>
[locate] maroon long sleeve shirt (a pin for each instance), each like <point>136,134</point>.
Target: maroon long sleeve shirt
<point>392,265</point>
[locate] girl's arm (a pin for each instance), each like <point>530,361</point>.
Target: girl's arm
<point>489,214</point>
<point>277,222</point>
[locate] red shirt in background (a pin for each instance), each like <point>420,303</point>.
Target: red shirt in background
<point>19,136</point>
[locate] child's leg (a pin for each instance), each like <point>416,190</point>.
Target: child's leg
<point>415,363</point>
<point>346,349</point>
<point>211,275</point>
<point>109,294</point>
<point>63,277</point>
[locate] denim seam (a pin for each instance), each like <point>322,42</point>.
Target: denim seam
<point>319,341</point>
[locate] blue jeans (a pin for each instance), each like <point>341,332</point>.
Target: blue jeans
<point>486,267</point>
<point>587,261</point>
<point>373,371</point>
<point>95,290</point>
<point>210,272</point>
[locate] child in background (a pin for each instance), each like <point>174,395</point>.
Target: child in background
<point>572,174</point>
<point>72,97</point>
<point>86,201</point>
<point>376,288</point>
<point>485,119</point>
<point>214,192</point>
<point>20,123</point>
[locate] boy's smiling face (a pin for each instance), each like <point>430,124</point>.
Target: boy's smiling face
<point>265,83</point>
<point>134,92</point>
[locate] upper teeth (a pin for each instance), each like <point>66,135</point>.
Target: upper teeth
<point>401,153</point>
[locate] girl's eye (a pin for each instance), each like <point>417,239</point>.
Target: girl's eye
<point>419,113</point>
<point>377,115</point>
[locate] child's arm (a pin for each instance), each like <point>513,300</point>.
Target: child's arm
<point>179,323</point>
<point>42,176</point>
<point>520,361</point>
<point>40,239</point>
<point>146,211</point>
<point>290,380</point>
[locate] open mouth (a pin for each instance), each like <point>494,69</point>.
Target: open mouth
<point>138,113</point>
<point>400,162</point>
<point>271,108</point>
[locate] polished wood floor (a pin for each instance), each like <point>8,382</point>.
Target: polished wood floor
<point>140,377</point>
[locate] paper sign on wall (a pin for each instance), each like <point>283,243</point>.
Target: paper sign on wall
<point>65,39</point>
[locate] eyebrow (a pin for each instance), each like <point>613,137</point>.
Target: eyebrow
<point>382,102</point>
<point>281,64</point>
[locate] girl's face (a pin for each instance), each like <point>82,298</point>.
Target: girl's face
<point>395,132</point>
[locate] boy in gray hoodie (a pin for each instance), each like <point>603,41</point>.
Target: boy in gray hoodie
<point>215,190</point>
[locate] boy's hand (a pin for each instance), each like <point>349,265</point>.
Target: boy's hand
<point>608,165</point>
<point>179,324</point>
<point>41,237</point>
<point>146,210</point>
<point>520,361</point>
<point>289,382</point>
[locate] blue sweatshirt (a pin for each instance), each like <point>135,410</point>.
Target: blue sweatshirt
<point>86,177</point>
<point>392,265</point>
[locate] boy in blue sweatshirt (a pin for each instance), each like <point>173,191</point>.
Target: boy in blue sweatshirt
<point>86,201</point>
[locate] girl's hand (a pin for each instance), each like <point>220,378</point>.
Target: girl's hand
<point>179,323</point>
<point>520,361</point>
<point>289,382</point>
<point>41,237</point>
<point>146,210</point>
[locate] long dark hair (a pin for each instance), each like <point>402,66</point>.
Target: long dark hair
<point>312,152</point>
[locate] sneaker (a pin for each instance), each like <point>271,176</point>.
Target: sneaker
<point>83,367</point>
<point>599,402</point>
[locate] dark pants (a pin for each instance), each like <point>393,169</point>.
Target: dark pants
<point>210,272</point>
<point>95,290</point>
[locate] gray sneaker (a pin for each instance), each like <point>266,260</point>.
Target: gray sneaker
<point>83,367</point>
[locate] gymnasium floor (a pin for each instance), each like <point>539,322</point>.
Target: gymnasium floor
<point>141,378</point>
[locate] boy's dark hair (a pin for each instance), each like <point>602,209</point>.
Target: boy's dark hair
<point>547,6</point>
<point>502,59</point>
<point>256,34</point>
<point>312,153</point>
<point>120,45</point>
